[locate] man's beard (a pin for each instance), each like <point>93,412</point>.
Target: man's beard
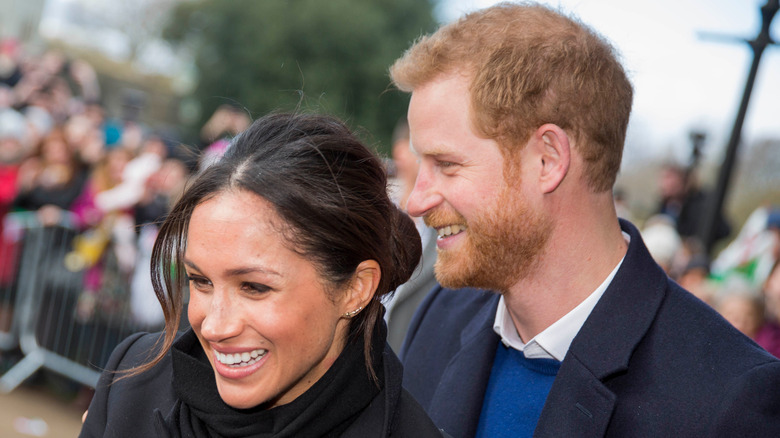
<point>500,247</point>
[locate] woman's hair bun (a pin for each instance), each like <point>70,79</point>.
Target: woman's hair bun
<point>406,247</point>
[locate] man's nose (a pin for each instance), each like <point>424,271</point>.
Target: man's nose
<point>424,195</point>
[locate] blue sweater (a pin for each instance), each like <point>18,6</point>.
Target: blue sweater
<point>515,394</point>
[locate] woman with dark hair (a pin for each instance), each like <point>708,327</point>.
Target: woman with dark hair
<point>288,243</point>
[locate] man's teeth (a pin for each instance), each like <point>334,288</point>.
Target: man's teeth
<point>450,230</point>
<point>241,359</point>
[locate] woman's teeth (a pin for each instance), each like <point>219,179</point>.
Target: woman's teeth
<point>450,230</point>
<point>240,359</point>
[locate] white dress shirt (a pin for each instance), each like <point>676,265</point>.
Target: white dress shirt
<point>554,341</point>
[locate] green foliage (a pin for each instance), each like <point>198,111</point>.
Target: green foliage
<point>329,56</point>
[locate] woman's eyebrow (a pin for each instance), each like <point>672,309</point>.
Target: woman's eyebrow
<point>238,271</point>
<point>250,270</point>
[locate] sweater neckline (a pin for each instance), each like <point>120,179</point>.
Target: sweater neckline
<point>544,366</point>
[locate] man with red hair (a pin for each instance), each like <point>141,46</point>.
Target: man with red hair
<point>518,115</point>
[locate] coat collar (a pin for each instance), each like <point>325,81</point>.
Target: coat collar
<point>579,404</point>
<point>384,405</point>
<point>624,314</point>
<point>457,403</point>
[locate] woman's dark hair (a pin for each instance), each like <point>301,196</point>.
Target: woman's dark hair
<point>331,192</point>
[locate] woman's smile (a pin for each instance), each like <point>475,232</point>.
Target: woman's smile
<point>240,359</point>
<point>239,365</point>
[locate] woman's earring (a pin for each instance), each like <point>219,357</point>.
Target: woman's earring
<point>353,313</point>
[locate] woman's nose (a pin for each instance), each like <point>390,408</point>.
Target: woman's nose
<point>222,320</point>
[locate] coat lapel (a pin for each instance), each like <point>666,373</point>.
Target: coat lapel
<point>579,402</point>
<point>457,403</point>
<point>578,405</point>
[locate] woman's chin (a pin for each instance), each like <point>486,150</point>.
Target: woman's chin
<point>240,400</point>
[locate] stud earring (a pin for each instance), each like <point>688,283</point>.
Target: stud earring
<point>353,313</point>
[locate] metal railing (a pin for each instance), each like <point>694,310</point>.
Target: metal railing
<point>51,310</point>
<point>9,260</point>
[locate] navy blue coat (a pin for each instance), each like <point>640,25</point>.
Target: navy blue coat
<point>650,361</point>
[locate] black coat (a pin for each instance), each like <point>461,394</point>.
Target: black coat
<point>127,407</point>
<point>651,360</point>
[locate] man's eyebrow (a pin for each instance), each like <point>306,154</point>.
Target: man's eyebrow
<point>435,151</point>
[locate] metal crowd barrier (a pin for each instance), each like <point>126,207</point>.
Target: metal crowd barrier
<point>46,310</point>
<point>9,260</point>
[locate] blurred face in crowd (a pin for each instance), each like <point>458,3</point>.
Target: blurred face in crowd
<point>170,179</point>
<point>6,94</point>
<point>695,282</point>
<point>406,167</point>
<point>743,313</point>
<point>671,183</point>
<point>260,310</point>
<point>116,161</point>
<point>772,293</point>
<point>461,191</point>
<point>76,129</point>
<point>11,150</point>
<point>55,150</point>
<point>93,147</point>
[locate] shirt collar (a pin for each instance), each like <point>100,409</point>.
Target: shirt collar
<point>554,341</point>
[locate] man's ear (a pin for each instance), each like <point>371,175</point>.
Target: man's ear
<point>362,288</point>
<point>553,150</point>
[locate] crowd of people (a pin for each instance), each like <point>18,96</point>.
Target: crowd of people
<point>105,180</point>
<point>741,281</point>
<point>567,320</point>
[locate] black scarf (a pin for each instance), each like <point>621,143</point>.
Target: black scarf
<point>325,410</point>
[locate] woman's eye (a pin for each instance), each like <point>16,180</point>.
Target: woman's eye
<point>256,288</point>
<point>198,282</point>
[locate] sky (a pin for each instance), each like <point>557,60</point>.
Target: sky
<point>682,80</point>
